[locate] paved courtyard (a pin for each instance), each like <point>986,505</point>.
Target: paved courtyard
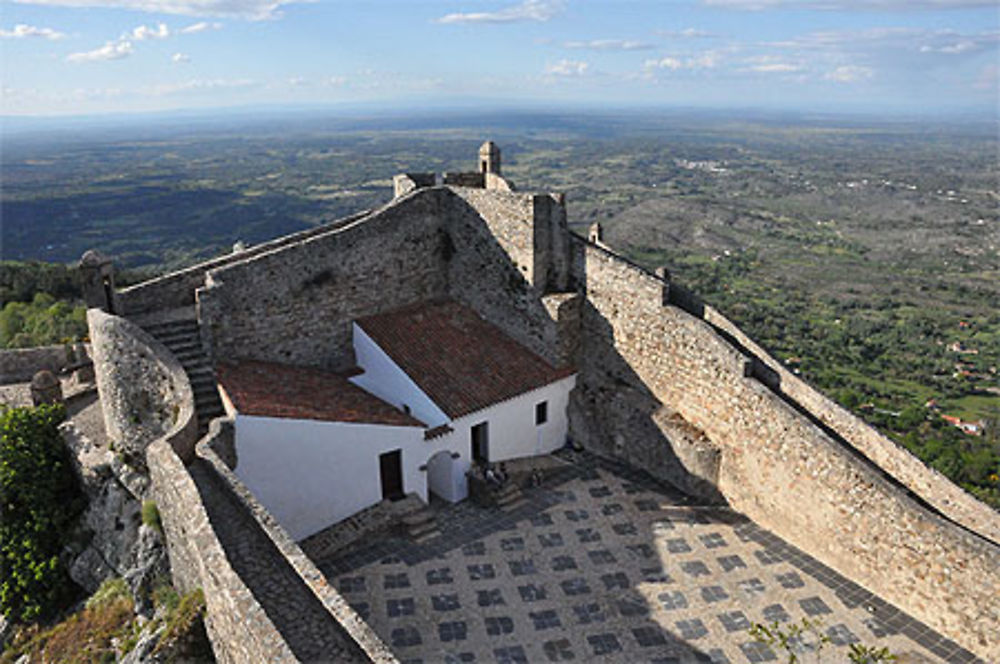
<point>603,564</point>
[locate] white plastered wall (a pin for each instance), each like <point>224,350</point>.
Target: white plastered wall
<point>311,474</point>
<point>383,378</point>
<point>512,430</point>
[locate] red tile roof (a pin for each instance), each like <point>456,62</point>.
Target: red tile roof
<point>460,361</point>
<point>280,390</point>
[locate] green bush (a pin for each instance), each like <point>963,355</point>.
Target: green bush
<point>151,515</point>
<point>110,590</point>
<point>40,498</point>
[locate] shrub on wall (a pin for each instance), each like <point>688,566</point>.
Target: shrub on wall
<point>39,499</point>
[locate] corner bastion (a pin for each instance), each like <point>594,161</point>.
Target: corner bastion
<point>665,383</point>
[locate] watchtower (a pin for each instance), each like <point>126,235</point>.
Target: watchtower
<point>489,158</point>
<point>97,277</point>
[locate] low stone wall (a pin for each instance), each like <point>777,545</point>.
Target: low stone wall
<point>18,365</point>
<point>639,356</point>
<point>357,640</point>
<point>237,625</point>
<point>465,179</point>
<point>176,289</point>
<point>145,393</point>
<point>404,183</point>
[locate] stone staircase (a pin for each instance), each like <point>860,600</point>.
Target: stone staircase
<point>183,339</point>
<point>421,525</point>
<point>509,496</point>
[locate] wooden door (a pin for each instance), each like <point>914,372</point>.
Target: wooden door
<point>390,467</point>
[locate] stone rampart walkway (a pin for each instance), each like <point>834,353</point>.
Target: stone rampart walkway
<point>310,631</point>
<point>604,564</point>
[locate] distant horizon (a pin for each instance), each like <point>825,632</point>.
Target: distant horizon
<point>440,112</point>
<point>108,57</point>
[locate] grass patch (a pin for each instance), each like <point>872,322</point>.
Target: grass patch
<point>85,637</point>
<point>151,515</point>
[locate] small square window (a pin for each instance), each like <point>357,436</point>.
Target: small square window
<point>541,413</point>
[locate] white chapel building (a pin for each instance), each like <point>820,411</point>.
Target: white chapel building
<point>436,388</point>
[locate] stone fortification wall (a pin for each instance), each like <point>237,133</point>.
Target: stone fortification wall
<point>926,482</point>
<point>295,305</point>
<point>18,365</point>
<point>351,640</point>
<point>177,289</point>
<point>491,265</point>
<point>145,393</point>
<point>405,183</point>
<point>641,355</point>
<point>466,179</point>
<point>135,373</point>
<point>237,625</point>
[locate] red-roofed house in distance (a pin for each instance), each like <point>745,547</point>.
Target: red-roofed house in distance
<point>437,388</point>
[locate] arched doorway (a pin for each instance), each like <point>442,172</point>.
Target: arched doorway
<point>445,478</point>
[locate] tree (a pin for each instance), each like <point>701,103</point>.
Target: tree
<point>39,500</point>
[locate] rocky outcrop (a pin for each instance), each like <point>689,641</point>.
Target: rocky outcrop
<point>110,539</point>
<point>145,393</point>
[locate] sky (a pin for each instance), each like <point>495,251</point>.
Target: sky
<point>894,57</point>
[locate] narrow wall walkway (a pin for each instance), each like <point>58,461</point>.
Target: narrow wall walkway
<point>310,631</point>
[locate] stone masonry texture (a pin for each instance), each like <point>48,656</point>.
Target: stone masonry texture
<point>658,387</point>
<point>776,466</point>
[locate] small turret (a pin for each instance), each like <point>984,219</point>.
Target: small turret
<point>489,158</point>
<point>98,280</point>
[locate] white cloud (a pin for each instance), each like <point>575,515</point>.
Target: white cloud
<point>608,45</point>
<point>706,60</point>
<point>180,57</point>
<point>336,81</point>
<point>110,51</point>
<point>529,10</point>
<point>200,85</point>
<point>775,68</point>
<point>686,33</point>
<point>850,5</point>
<point>248,9</point>
<point>21,31</point>
<point>673,64</point>
<point>199,27</point>
<point>567,68</point>
<point>142,33</point>
<point>850,74</point>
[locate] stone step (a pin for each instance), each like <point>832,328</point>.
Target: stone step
<point>422,529</point>
<point>210,413</point>
<point>426,537</point>
<point>201,380</point>
<point>417,518</point>
<point>185,346</point>
<point>421,525</point>
<point>172,326</point>
<point>198,365</point>
<point>207,404</point>
<point>168,338</point>
<point>509,496</point>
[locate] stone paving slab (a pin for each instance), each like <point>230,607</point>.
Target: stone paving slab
<point>604,564</point>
